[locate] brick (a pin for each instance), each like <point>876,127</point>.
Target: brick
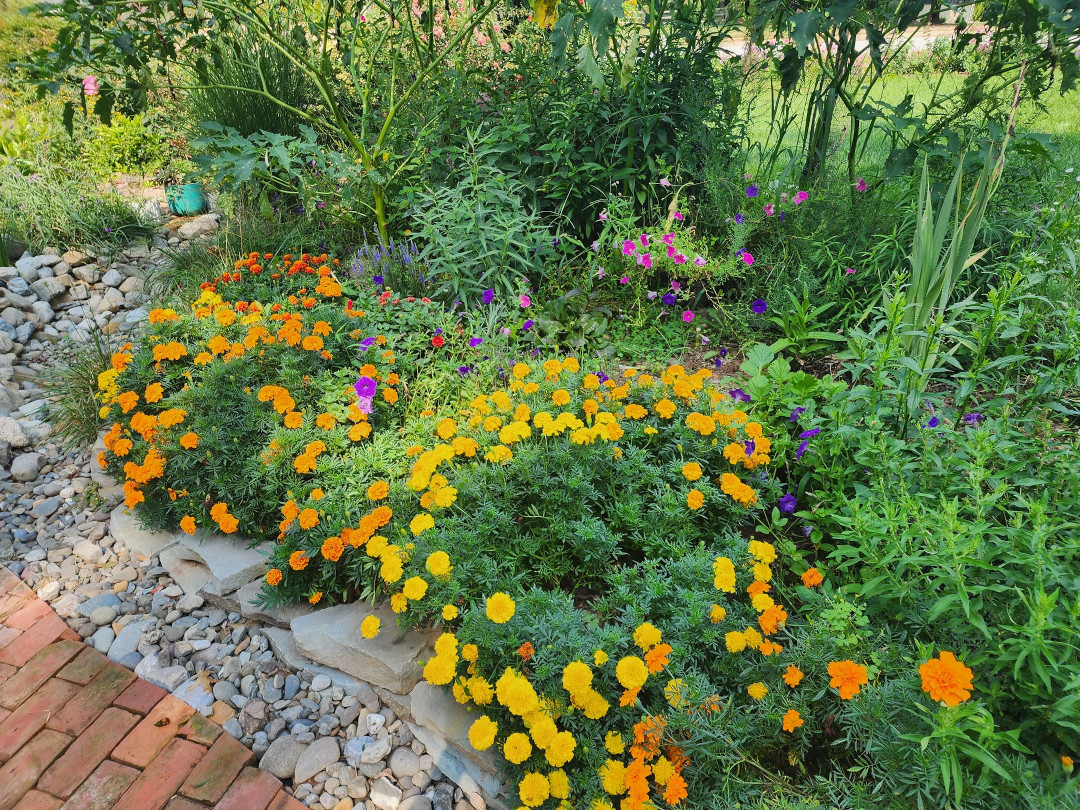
<point>85,666</point>
<point>37,670</point>
<point>213,775</point>
<point>44,632</point>
<point>140,697</point>
<point>71,635</point>
<point>27,720</point>
<point>36,800</point>
<point>283,801</point>
<point>105,785</point>
<point>11,604</point>
<point>157,784</point>
<point>8,580</point>
<point>8,635</point>
<point>28,615</point>
<point>4,715</point>
<point>180,803</point>
<point>153,733</point>
<point>199,729</point>
<point>6,671</point>
<point>253,790</point>
<point>92,700</point>
<point>23,770</point>
<point>87,752</point>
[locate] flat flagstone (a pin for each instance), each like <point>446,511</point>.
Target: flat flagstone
<point>225,564</point>
<point>125,528</point>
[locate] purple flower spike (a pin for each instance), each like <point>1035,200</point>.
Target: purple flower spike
<point>809,434</point>
<point>788,503</point>
<point>795,414</point>
<point>972,418</point>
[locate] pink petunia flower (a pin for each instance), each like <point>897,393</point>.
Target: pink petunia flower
<point>800,197</point>
<point>768,209</point>
<point>525,301</point>
<point>747,257</point>
<point>676,286</point>
<point>687,316</point>
<point>677,215</point>
<point>90,86</point>
<point>671,252</point>
<point>665,182</point>
<point>628,247</point>
<point>603,215</point>
<point>849,271</point>
<point>595,246</point>
<point>645,260</point>
<point>644,239</point>
<point>668,239</point>
<point>624,280</point>
<point>860,184</point>
<point>601,273</point>
<point>699,261</point>
<point>679,258</point>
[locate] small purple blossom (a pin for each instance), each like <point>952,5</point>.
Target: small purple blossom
<point>668,299</point>
<point>934,422</point>
<point>366,343</point>
<point>651,295</point>
<point>972,418</point>
<point>788,503</point>
<point>463,370</point>
<point>739,395</point>
<point>801,450</point>
<point>796,413</point>
<point>525,327</point>
<point>377,280</point>
<point>474,342</point>
<point>759,306</point>
<point>723,351</point>
<point>749,446</point>
<point>488,296</point>
<point>809,434</point>
<point>740,219</point>
<point>751,191</point>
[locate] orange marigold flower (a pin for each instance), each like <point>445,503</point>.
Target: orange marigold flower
<point>228,524</point>
<point>308,518</point>
<point>526,651</point>
<point>187,524</point>
<point>847,677</point>
<point>332,548</point>
<point>772,619</point>
<point>173,416</point>
<point>946,679</point>
<point>675,789</point>
<point>695,499</point>
<point>294,420</point>
<point>378,491</point>
<point>321,328</point>
<point>305,463</point>
<point>127,400</point>
<point>326,421</point>
<point>312,343</point>
<point>154,392</point>
<point>315,597</point>
<point>792,720</point>
<point>390,395</point>
<point>189,441</point>
<point>658,657</point>
<point>793,676</point>
<point>298,560</point>
<point>273,577</point>
<point>359,431</point>
<point>812,577</point>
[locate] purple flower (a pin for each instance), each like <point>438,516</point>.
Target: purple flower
<point>365,387</point>
<point>474,342</point>
<point>972,418</point>
<point>801,450</point>
<point>366,343</point>
<point>488,297</point>
<point>676,286</point>
<point>807,529</point>
<point>759,306</point>
<point>525,327</point>
<point>699,261</point>
<point>651,295</point>
<point>749,446</point>
<point>934,422</point>
<point>751,191</point>
<point>377,280</point>
<point>602,376</point>
<point>723,351</point>
<point>788,503</point>
<point>719,361</point>
<point>668,299</point>
<point>796,413</point>
<point>809,434</point>
<point>438,330</point>
<point>739,395</point>
<point>624,280</point>
<point>740,219</point>
<point>595,247</point>
<point>463,370</point>
<point>768,209</point>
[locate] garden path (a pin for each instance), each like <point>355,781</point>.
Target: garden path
<point>80,732</point>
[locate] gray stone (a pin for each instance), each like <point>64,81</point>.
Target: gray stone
<point>12,433</point>
<point>354,748</point>
<point>26,466</point>
<point>103,615</point>
<point>403,762</point>
<point>415,803</point>
<point>200,226</point>
<point>156,670</point>
<point>189,602</point>
<point>48,288</point>
<point>332,637</point>
<point>75,258</point>
<point>49,591</point>
<point>103,639</point>
<point>88,551</point>
<point>317,757</point>
<point>320,682</point>
<point>280,616</point>
<point>42,311</point>
<point>125,528</point>
<point>225,691</point>
<point>112,278</point>
<point>46,508</point>
<point>232,728</point>
<point>127,640</point>
<point>385,795</point>
<point>194,693</point>
<point>87,273</point>
<point>28,266</point>
<point>281,757</point>
<point>376,751</point>
<point>224,564</point>
<point>101,600</point>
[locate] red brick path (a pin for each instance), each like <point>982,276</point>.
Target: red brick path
<point>79,732</point>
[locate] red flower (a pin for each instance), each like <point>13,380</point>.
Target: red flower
<point>437,341</point>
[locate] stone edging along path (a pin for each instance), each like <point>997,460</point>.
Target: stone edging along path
<point>80,732</point>
<point>344,722</point>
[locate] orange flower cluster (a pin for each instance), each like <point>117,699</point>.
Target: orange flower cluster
<point>219,513</point>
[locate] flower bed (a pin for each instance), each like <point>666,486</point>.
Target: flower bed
<point>592,547</point>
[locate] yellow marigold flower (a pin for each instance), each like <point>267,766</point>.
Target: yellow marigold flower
<point>691,471</point>
<point>520,370</point>
<point>762,552</point>
<point>560,397</point>
<point>600,658</point>
<point>470,652</point>
<point>647,636</point>
<point>480,690</point>
<point>414,588</point>
<point>753,637</point>
<point>517,747</point>
<point>613,742</point>
<point>421,523</point>
<point>757,691</point>
<point>439,671</point>
<point>724,575</point>
<point>559,784</point>
<point>445,497</point>
<point>662,770</point>
<point>695,499</point>
<point>735,641</point>
<point>516,693</point>
<point>561,749</point>
<point>761,602</point>
<point>369,627</point>
<point>500,608</point>
<point>594,705</point>
<point>577,677</point>
<point>534,789</point>
<point>446,645</point>
<point>449,613</point>
<point>542,729</point>
<point>762,572</point>
<point>446,429</point>
<point>482,732</point>
<point>631,672</point>
<point>391,569</point>
<point>665,408</point>
<point>717,614</point>
<point>438,564</point>
<point>673,692</point>
<point>613,777</point>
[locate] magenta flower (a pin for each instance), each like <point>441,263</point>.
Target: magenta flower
<point>860,184</point>
<point>768,209</point>
<point>668,239</point>
<point>645,260</point>
<point>603,215</point>
<point>850,271</point>
<point>644,239</point>
<point>90,86</point>
<point>628,247</point>
<point>800,197</point>
<point>687,316</point>
<point>624,280</point>
<point>665,182</point>
<point>748,257</point>
<point>679,258</point>
<point>524,300</point>
<point>677,215</point>
<point>671,251</point>
<point>699,261</point>
<point>676,286</point>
